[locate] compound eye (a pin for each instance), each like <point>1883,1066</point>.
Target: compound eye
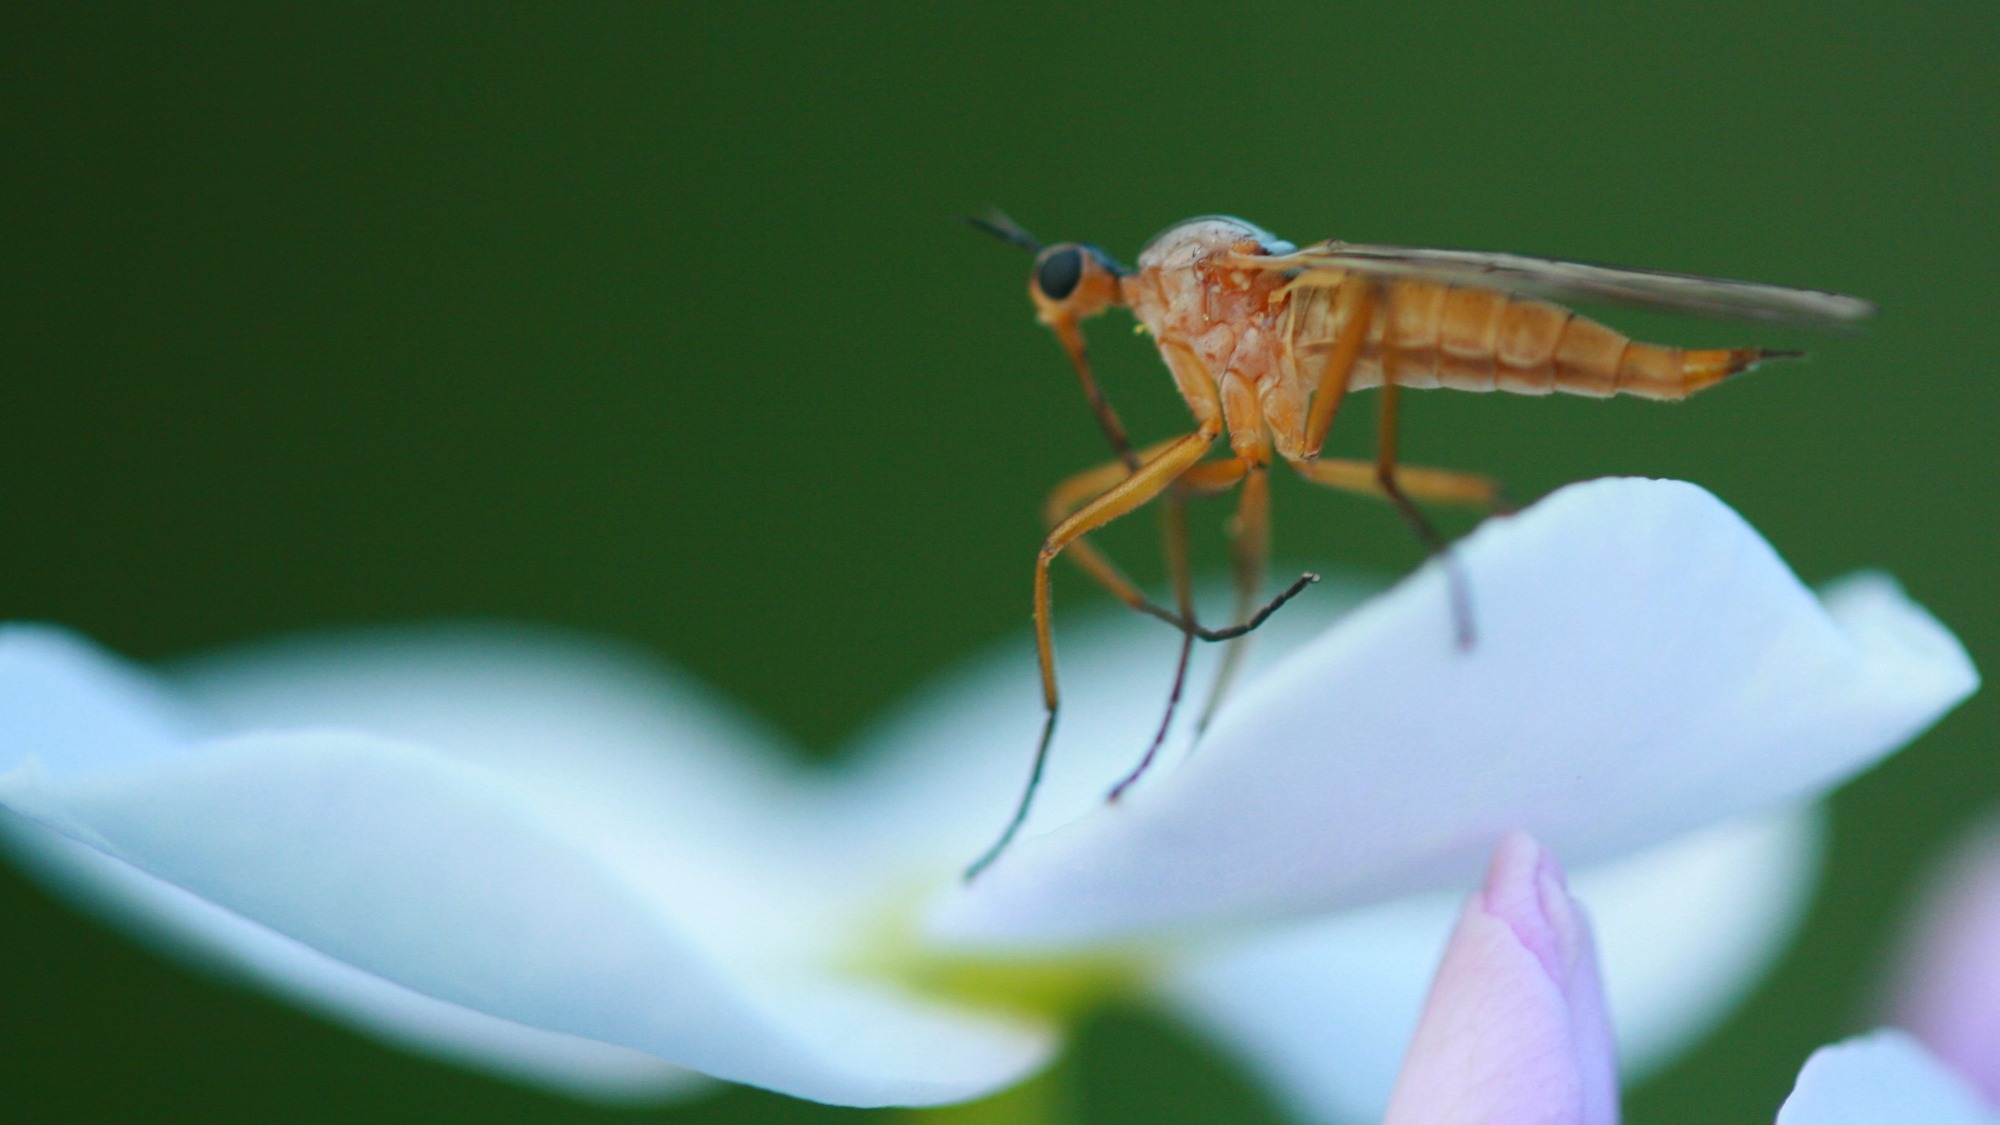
<point>1059,271</point>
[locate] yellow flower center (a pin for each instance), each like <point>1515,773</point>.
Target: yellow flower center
<point>1057,987</point>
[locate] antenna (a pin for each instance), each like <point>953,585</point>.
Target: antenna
<point>996,223</point>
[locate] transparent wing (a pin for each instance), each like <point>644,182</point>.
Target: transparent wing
<point>1578,282</point>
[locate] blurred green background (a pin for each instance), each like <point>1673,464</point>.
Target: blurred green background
<point>651,321</point>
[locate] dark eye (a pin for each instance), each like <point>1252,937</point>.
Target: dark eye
<point>1058,273</point>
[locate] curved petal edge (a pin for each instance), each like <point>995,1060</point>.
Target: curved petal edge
<point>1645,665</point>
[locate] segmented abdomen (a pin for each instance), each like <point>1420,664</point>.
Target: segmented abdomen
<point>1484,340</point>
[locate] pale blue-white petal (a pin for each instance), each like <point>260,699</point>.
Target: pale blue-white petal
<point>1323,1010</point>
<point>67,705</point>
<point>1882,1078</point>
<point>926,789</point>
<point>1646,665</point>
<point>210,938</point>
<point>653,771</point>
<point>530,885</point>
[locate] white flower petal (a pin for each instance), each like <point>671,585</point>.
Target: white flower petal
<point>456,880</point>
<point>1687,929</point>
<point>1324,1010</point>
<point>562,709</point>
<point>1882,1078</point>
<point>197,931</point>
<point>68,706</point>
<point>1645,665</point>
<point>688,797</point>
<point>926,789</point>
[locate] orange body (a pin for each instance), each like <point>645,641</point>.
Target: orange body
<point>1481,340</point>
<point>1251,346</point>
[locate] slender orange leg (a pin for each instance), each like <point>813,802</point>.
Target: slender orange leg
<point>1070,335</point>
<point>1212,477</point>
<point>1206,478</point>
<point>1358,295</point>
<point>1079,490</point>
<point>1154,476</point>
<point>1201,480</point>
<point>1069,507</point>
<point>1387,479</point>
<point>1442,486</point>
<point>1173,534</point>
<point>1436,486</point>
<point>1249,549</point>
<point>1174,543</point>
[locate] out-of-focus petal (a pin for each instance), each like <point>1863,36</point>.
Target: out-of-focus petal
<point>688,797</point>
<point>1684,931</point>
<point>64,703</point>
<point>1645,666</point>
<point>457,880</point>
<point>1514,1031</point>
<point>211,938</point>
<point>1948,991</point>
<point>1882,1078</point>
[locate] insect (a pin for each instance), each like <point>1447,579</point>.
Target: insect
<point>1265,339</point>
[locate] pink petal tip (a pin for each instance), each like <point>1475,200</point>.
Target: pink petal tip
<point>1948,990</point>
<point>1514,1031</point>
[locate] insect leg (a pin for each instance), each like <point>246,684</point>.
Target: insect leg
<point>1154,476</point>
<point>1207,478</point>
<point>1174,545</point>
<point>1074,493</point>
<point>1173,518</point>
<point>1173,532</point>
<point>1173,536</point>
<point>1070,335</point>
<point>1249,549</point>
<point>1387,480</point>
<point>1436,486</point>
<point>1201,480</point>
<point>1358,296</point>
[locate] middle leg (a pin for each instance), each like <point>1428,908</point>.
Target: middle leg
<point>1156,475</point>
<point>1249,551</point>
<point>1432,486</point>
<point>1389,481</point>
<point>1174,545</point>
<point>1205,479</point>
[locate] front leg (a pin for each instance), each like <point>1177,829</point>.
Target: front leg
<point>1154,476</point>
